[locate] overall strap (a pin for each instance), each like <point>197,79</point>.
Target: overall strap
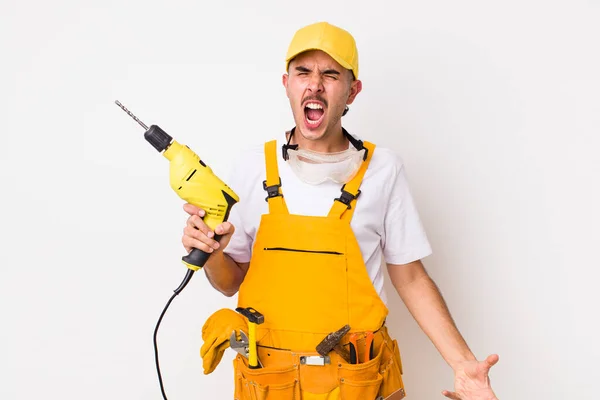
<point>343,206</point>
<point>273,182</point>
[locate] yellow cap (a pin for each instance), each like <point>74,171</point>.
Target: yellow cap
<point>335,41</point>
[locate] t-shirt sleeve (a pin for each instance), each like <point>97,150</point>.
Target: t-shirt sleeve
<point>405,239</point>
<point>240,244</point>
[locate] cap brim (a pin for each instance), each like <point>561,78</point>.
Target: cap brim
<point>337,58</point>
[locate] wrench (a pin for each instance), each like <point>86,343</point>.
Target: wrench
<point>241,346</point>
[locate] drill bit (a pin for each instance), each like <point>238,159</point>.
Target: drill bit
<point>131,114</point>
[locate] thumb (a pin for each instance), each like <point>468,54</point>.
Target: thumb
<point>489,362</point>
<point>492,360</point>
<point>207,346</point>
<point>224,228</point>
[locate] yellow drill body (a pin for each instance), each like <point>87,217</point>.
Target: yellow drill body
<point>196,183</point>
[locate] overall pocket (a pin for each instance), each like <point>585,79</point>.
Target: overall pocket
<point>335,253</point>
<point>316,304</point>
<point>354,390</point>
<point>391,370</point>
<point>363,380</point>
<point>268,383</point>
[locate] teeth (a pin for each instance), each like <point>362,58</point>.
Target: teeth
<point>314,106</point>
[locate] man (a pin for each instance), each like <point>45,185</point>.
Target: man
<point>303,247</point>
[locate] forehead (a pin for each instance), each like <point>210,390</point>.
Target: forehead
<point>316,58</point>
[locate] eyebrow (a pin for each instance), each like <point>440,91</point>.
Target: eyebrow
<point>327,71</point>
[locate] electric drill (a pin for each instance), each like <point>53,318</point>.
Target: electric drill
<point>194,182</point>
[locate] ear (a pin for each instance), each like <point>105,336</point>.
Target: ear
<point>285,80</point>
<point>355,89</point>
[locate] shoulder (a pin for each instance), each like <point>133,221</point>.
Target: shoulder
<point>387,157</point>
<point>386,164</point>
<point>251,155</point>
<point>384,159</point>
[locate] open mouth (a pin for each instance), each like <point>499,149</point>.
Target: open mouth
<point>313,114</point>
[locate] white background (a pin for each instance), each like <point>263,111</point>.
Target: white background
<point>494,106</point>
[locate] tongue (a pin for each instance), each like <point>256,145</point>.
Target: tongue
<point>314,115</point>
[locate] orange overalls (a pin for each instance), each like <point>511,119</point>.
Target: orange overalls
<point>308,279</point>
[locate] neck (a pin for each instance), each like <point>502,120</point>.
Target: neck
<point>331,141</point>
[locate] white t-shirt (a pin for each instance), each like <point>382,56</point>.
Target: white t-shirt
<point>386,222</point>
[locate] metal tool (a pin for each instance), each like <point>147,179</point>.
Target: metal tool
<point>315,360</point>
<point>369,349</point>
<point>117,102</point>
<point>367,353</point>
<point>332,343</point>
<point>254,318</point>
<point>353,348</point>
<point>241,346</point>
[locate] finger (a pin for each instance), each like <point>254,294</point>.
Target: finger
<point>195,221</point>
<point>201,236</point>
<point>190,242</point>
<point>224,228</point>
<point>193,210</point>
<point>451,395</point>
<point>491,360</point>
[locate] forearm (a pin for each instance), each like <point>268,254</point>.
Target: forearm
<point>427,306</point>
<point>223,273</point>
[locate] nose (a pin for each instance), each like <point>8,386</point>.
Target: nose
<point>315,83</point>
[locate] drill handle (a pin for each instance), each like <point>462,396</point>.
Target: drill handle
<point>197,258</point>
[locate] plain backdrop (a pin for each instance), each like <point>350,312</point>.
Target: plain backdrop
<point>494,107</point>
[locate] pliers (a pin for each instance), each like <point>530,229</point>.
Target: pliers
<point>368,352</point>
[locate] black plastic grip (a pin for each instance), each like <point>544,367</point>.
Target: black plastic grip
<point>198,257</point>
<point>158,138</point>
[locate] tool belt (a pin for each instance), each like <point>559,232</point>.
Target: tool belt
<point>286,374</point>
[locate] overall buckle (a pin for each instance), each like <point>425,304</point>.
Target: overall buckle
<point>272,191</point>
<point>347,197</point>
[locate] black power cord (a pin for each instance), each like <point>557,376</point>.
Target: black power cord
<point>183,284</point>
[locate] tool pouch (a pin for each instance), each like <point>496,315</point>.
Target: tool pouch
<point>285,377</point>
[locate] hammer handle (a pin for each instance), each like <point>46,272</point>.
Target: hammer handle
<point>342,352</point>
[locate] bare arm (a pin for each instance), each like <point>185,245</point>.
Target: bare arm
<point>426,304</point>
<point>225,274</point>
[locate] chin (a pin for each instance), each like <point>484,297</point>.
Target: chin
<point>312,134</point>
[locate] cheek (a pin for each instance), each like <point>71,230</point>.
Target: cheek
<point>295,93</point>
<point>337,96</point>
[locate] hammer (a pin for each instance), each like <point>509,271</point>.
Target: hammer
<point>254,318</point>
<point>332,342</point>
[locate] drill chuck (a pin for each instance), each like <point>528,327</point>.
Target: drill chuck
<point>158,138</point>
